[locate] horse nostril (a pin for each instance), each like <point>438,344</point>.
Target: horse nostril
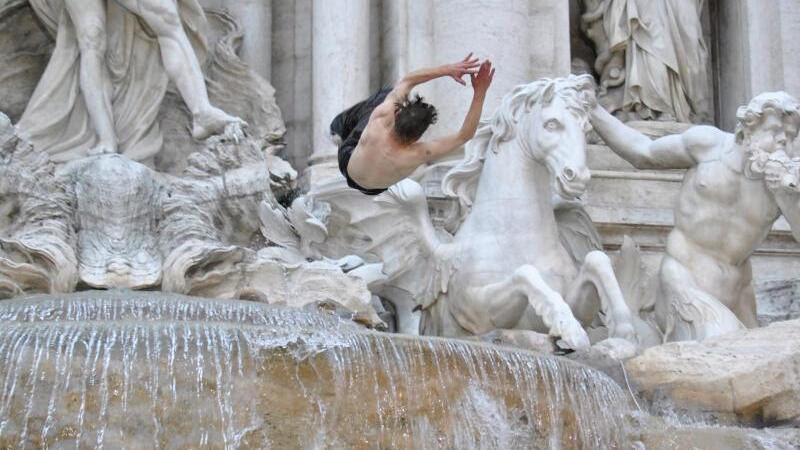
<point>569,173</point>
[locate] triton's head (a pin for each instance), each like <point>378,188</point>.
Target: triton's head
<point>769,122</point>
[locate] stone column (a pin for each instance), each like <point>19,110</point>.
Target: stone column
<point>757,52</point>
<point>407,38</point>
<point>340,74</point>
<point>255,18</point>
<point>549,39</point>
<point>494,29</point>
<point>291,75</point>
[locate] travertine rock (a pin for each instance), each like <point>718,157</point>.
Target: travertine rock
<point>294,284</point>
<point>657,434</point>
<point>38,252</point>
<point>753,375</point>
<point>109,222</point>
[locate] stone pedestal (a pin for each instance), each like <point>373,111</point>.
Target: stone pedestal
<point>340,73</point>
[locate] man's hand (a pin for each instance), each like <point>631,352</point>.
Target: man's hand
<point>468,66</point>
<point>483,79</point>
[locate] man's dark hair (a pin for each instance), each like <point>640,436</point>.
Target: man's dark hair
<point>412,117</point>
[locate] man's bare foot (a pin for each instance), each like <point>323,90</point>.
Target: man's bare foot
<point>213,121</point>
<point>103,148</point>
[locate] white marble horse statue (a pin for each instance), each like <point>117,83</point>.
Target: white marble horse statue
<point>505,267</point>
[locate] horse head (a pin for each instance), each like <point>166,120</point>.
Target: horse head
<point>548,119</point>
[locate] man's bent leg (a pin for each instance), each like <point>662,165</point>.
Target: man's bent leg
<point>687,311</point>
<point>89,19</point>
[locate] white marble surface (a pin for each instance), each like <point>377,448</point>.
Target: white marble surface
<point>726,206</point>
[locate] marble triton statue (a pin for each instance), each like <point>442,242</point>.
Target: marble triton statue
<point>380,136</point>
<point>725,209</point>
<point>108,74</point>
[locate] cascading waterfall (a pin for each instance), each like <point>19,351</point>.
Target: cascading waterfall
<point>118,369</point>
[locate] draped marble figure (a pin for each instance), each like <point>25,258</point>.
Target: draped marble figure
<point>651,58</point>
<point>109,72</point>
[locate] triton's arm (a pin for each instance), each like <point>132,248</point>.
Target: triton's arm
<point>679,151</point>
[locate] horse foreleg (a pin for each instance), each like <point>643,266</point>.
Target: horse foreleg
<point>504,303</point>
<point>595,279</point>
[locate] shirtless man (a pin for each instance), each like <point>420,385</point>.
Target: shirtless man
<point>725,210</point>
<point>177,55</point>
<point>380,135</point>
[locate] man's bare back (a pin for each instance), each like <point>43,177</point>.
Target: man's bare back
<point>388,149</point>
<point>724,212</point>
<point>379,160</point>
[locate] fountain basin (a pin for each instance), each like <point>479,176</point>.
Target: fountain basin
<point>118,369</point>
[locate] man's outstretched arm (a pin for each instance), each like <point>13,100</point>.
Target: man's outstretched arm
<point>437,148</point>
<point>678,151</point>
<point>402,88</point>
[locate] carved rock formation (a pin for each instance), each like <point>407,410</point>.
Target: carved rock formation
<point>751,376</point>
<point>109,222</point>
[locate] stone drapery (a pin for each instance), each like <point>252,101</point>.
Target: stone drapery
<point>56,119</point>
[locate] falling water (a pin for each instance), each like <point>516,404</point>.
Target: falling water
<point>152,370</point>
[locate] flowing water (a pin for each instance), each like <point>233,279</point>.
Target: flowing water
<point>151,370</point>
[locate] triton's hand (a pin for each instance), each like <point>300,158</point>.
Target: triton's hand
<point>467,66</point>
<point>780,173</point>
<point>483,79</point>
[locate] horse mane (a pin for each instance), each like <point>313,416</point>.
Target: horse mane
<point>577,91</point>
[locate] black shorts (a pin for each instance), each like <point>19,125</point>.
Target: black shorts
<point>349,125</point>
<point>345,152</point>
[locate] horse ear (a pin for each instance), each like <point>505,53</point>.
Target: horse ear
<point>549,93</point>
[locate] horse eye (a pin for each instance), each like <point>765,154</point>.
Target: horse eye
<point>552,125</point>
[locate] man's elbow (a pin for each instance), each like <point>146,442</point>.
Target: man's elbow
<point>404,86</point>
<point>464,136</point>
